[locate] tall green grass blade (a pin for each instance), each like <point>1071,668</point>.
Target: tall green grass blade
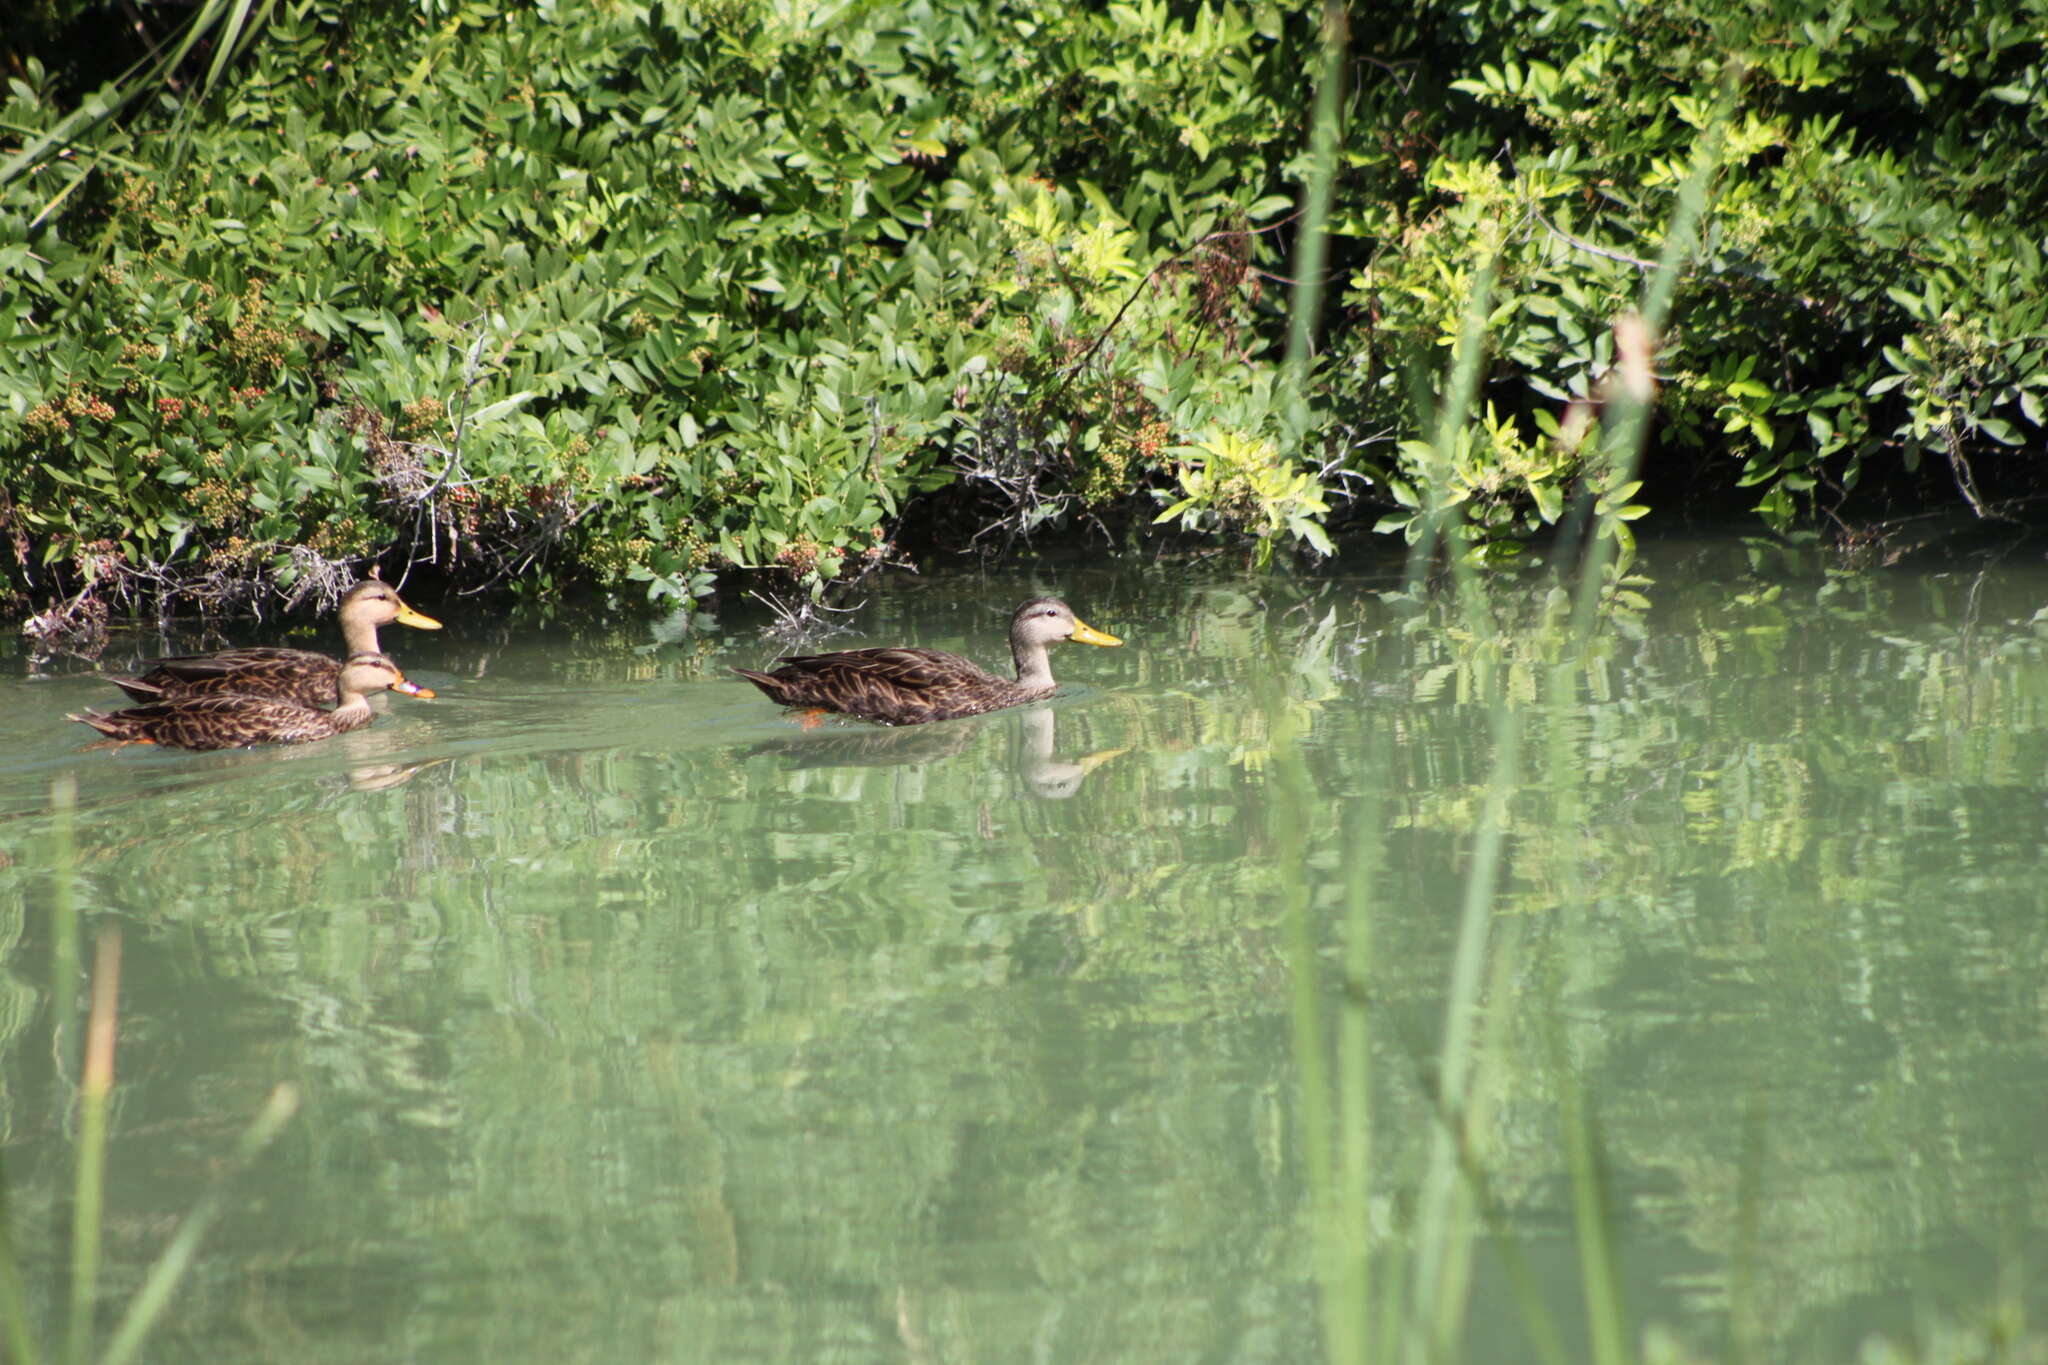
<point>64,922</point>
<point>170,1267</point>
<point>1443,1247</point>
<point>1292,800</point>
<point>64,972</point>
<point>1536,1317</point>
<point>1335,1228</point>
<point>1592,1226</point>
<point>1599,1281</point>
<point>1624,436</point>
<point>1522,1282</point>
<point>1443,1231</point>
<point>1339,1210</point>
<point>234,36</point>
<point>1626,428</point>
<point>95,1087</point>
<point>1353,1256</point>
<point>1444,521</point>
<point>96,110</point>
<point>21,1344</point>
<point>235,29</point>
<point>1443,1251</point>
<point>63,1004</point>
<point>1312,252</point>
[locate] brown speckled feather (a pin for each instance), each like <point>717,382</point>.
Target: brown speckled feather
<point>300,676</point>
<point>898,686</point>
<point>224,721</point>
<point>906,686</point>
<point>303,676</point>
<point>230,720</point>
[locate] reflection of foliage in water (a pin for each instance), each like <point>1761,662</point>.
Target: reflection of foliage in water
<point>798,1052</point>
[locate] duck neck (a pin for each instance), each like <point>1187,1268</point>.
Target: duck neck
<point>353,713</point>
<point>359,633</point>
<point>1034,664</point>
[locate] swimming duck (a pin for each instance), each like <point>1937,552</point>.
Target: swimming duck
<point>906,686</point>
<point>303,676</point>
<point>229,720</point>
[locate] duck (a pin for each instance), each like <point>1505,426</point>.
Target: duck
<point>232,720</point>
<point>906,686</point>
<point>301,676</point>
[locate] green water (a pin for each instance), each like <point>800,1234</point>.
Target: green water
<point>632,1022</point>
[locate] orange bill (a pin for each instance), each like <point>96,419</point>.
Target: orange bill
<point>412,689</point>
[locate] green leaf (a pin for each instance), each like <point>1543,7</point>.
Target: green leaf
<point>491,412</point>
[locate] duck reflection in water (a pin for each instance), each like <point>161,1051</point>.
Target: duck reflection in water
<point>377,777</point>
<point>1045,774</point>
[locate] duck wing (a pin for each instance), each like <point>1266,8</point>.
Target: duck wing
<point>296,675</point>
<point>895,686</point>
<point>214,721</point>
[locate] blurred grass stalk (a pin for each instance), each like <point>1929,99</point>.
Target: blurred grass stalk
<point>155,1294</point>
<point>95,1087</point>
<point>230,25</point>
<point>95,1095</point>
<point>1425,1323</point>
<point>21,1345</point>
<point>1342,1263</point>
<point>1625,427</point>
<point>1625,431</point>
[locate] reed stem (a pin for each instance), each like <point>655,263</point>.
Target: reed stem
<point>95,1086</point>
<point>170,1267</point>
<point>21,1345</point>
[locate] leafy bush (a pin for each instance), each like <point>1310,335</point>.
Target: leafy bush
<point>640,293</point>
<point>1871,290</point>
<point>626,294</point>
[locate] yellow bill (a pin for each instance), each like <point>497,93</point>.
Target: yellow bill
<point>1089,635</point>
<point>418,621</point>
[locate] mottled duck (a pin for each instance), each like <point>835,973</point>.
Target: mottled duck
<point>303,676</point>
<point>230,720</point>
<point>911,686</point>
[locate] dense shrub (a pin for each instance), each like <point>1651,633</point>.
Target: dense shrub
<point>636,293</point>
<point>1871,291</point>
<point>630,293</point>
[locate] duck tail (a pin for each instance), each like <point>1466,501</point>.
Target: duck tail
<point>767,682</point>
<point>138,688</point>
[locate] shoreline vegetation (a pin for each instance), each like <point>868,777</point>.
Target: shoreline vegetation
<point>639,298</point>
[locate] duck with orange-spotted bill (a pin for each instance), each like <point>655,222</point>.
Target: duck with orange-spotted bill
<point>232,720</point>
<point>303,676</point>
<point>906,686</point>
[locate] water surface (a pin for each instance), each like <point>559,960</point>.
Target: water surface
<point>634,1021</point>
